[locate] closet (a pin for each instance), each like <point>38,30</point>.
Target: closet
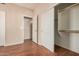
<point>68,27</point>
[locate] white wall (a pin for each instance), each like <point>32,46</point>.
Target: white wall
<point>69,40</point>
<point>2,28</point>
<point>14,23</point>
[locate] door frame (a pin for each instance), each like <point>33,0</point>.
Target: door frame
<point>30,19</point>
<point>22,24</point>
<point>37,30</point>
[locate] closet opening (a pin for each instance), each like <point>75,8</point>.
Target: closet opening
<point>27,28</point>
<point>67,26</point>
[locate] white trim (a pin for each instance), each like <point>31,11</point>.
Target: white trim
<point>14,43</point>
<point>22,26</point>
<point>3,43</point>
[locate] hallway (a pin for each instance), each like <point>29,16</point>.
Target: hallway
<point>29,48</point>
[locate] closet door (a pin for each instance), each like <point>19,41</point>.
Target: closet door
<point>34,29</point>
<point>2,28</point>
<point>46,29</point>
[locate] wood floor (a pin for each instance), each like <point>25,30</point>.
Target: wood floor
<point>64,52</point>
<point>29,48</point>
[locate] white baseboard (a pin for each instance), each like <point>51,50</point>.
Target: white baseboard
<point>14,43</point>
<point>74,50</point>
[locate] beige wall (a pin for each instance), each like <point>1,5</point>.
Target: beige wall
<point>14,23</point>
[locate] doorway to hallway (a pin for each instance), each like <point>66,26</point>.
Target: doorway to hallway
<point>27,28</point>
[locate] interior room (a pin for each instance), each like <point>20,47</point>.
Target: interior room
<point>39,29</point>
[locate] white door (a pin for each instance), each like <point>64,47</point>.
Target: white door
<point>46,29</point>
<point>2,28</point>
<point>27,28</point>
<point>34,29</point>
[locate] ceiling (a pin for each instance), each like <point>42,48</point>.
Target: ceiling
<point>34,5</point>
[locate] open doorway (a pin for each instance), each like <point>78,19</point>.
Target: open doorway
<point>27,28</point>
<point>66,27</point>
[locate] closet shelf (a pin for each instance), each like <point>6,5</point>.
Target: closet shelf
<point>69,31</point>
